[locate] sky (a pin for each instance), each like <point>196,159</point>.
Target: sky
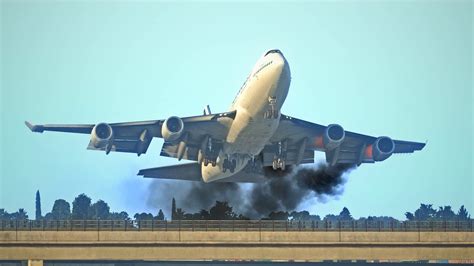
<point>396,68</point>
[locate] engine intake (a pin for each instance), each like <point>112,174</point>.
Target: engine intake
<point>333,136</point>
<point>102,134</point>
<point>172,128</point>
<point>383,148</point>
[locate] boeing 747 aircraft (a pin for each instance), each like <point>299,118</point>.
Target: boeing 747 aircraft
<point>235,146</point>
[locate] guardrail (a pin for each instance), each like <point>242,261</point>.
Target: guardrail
<point>234,225</point>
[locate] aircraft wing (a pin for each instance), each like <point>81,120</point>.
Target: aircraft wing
<point>303,138</point>
<point>135,137</point>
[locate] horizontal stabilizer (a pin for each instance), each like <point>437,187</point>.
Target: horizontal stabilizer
<point>192,172</point>
<point>34,128</point>
<point>189,171</point>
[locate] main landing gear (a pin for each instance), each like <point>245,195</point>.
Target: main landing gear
<point>229,165</point>
<point>208,152</point>
<point>279,160</point>
<point>278,163</point>
<point>209,161</point>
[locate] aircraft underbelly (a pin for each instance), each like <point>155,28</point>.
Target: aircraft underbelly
<point>252,138</point>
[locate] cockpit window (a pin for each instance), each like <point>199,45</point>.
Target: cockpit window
<point>273,51</point>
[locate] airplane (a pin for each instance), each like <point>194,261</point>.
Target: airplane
<point>238,145</point>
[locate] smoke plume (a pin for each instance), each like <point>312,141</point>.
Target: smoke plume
<point>281,191</point>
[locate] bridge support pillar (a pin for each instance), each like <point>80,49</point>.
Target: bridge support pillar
<point>35,262</point>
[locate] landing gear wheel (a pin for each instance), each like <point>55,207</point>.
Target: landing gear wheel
<point>206,162</point>
<point>213,163</point>
<point>275,113</point>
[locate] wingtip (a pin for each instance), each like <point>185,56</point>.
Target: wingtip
<point>34,128</point>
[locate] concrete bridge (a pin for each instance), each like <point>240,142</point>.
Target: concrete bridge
<point>37,246</point>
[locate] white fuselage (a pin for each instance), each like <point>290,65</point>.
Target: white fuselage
<point>258,105</point>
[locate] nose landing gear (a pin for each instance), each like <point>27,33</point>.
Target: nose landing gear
<point>272,112</point>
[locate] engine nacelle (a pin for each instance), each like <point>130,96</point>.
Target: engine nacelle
<point>333,136</point>
<point>172,128</point>
<point>383,147</point>
<point>102,134</point>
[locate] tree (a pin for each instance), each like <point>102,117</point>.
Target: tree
<point>4,215</point>
<point>345,215</point>
<point>304,216</point>
<point>61,210</point>
<point>19,215</point>
<point>278,215</point>
<point>118,216</point>
<point>160,216</point>
<point>425,212</point>
<point>204,214</point>
<point>221,211</point>
<point>409,216</point>
<point>445,213</point>
<point>463,214</point>
<point>179,214</point>
<point>81,207</point>
<point>100,210</point>
<point>143,216</point>
<point>38,215</point>
<point>173,209</point>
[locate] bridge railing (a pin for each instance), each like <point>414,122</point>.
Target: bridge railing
<point>234,225</point>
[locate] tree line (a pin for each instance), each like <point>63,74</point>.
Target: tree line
<point>84,209</point>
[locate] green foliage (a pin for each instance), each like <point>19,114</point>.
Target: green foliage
<point>221,211</point>
<point>83,210</point>
<point>19,215</point>
<point>143,216</point>
<point>61,210</point>
<point>100,210</point>
<point>409,216</point>
<point>81,207</point>
<point>425,212</point>
<point>345,215</point>
<point>278,215</point>
<point>118,216</point>
<point>463,214</point>
<point>173,209</point>
<point>160,216</point>
<point>445,213</point>
<point>304,216</point>
<point>38,215</point>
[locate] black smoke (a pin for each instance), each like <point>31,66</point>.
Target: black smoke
<point>281,191</point>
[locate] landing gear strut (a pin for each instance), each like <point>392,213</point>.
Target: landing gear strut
<point>208,152</point>
<point>272,112</point>
<point>279,160</point>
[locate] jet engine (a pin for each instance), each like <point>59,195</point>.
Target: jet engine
<point>333,136</point>
<point>102,134</point>
<point>172,128</point>
<point>382,149</point>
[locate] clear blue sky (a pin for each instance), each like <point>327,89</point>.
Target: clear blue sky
<point>397,68</point>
